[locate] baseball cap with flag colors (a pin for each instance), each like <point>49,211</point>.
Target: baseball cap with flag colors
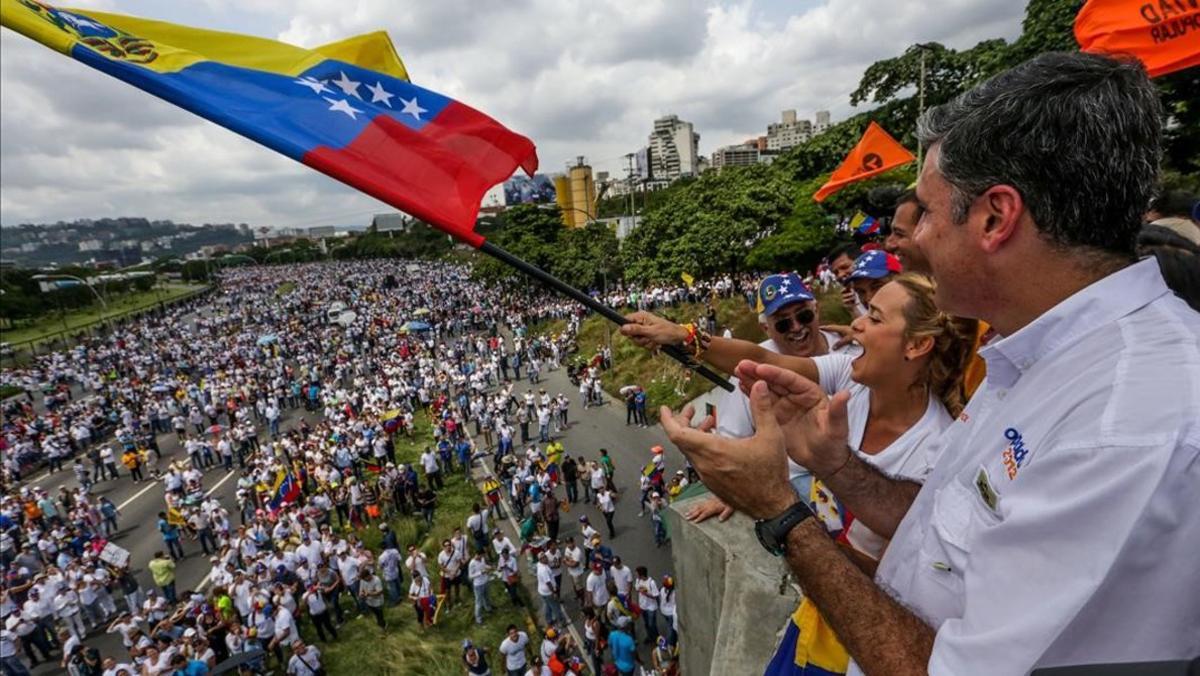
<point>777,291</point>
<point>875,265</point>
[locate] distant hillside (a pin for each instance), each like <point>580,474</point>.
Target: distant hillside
<point>123,240</point>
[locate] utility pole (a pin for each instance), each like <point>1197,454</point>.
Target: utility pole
<point>629,185</point>
<point>924,47</point>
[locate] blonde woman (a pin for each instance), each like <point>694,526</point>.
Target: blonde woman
<point>904,389</point>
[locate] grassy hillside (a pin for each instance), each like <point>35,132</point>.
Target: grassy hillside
<point>665,381</point>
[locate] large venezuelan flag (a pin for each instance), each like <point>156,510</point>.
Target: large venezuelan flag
<point>345,109</point>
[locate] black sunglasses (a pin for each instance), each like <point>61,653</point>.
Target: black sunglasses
<point>803,317</point>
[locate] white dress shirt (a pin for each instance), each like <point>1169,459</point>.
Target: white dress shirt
<point>1062,522</point>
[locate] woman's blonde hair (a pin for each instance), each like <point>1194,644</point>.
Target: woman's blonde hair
<point>953,341</point>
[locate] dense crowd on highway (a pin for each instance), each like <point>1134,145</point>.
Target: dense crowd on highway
<point>358,356</point>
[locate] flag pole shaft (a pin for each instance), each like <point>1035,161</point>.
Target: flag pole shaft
<point>674,351</point>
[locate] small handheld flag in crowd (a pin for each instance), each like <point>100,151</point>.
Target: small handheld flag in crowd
<point>864,224</point>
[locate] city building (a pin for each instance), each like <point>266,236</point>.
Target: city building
<point>788,132</point>
<point>393,222</point>
<point>91,245</point>
<point>674,149</point>
<point>822,122</point>
<point>742,155</point>
<point>576,194</point>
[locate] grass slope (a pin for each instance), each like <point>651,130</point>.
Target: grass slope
<point>664,380</point>
<point>362,649</point>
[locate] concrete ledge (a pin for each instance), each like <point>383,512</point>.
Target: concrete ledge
<point>731,611</point>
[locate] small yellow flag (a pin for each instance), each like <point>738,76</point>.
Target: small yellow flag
<point>688,279</point>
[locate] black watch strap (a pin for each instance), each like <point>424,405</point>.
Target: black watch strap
<point>772,533</point>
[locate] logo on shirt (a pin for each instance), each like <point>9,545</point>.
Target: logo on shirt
<point>1015,454</point>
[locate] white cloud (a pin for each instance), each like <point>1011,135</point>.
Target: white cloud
<point>579,78</point>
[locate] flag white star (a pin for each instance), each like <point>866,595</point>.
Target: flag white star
<point>314,84</point>
<point>347,85</point>
<point>80,22</point>
<point>380,95</point>
<point>342,105</point>
<point>412,108</point>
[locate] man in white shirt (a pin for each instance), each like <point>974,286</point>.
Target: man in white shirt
<point>573,559</point>
<point>621,575</point>
<point>480,572</point>
<point>513,648</point>
<point>1067,488</point>
<point>597,587</point>
<point>548,589</point>
<point>305,660</point>
<point>647,590</point>
<point>450,563</point>
<point>389,570</point>
<point>433,471</point>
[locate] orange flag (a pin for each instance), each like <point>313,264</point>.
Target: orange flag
<point>1163,34</point>
<point>875,153</point>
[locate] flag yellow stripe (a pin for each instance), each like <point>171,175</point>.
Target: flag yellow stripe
<point>373,51</point>
<point>177,47</point>
<point>25,21</point>
<point>181,46</point>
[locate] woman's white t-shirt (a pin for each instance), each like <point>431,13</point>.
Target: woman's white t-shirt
<point>906,457</point>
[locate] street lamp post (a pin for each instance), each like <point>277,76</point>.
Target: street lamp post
<point>62,308</point>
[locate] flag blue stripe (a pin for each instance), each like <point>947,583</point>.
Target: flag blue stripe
<point>275,110</point>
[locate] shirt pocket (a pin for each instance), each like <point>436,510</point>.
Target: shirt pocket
<point>958,516</point>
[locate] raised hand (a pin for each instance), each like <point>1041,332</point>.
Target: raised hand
<point>651,331</point>
<point>750,474</point>
<point>815,429</point>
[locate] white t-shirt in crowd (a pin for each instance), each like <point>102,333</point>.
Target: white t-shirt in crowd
<point>514,651</point>
<point>545,579</point>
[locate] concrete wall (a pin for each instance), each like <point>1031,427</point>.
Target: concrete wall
<point>731,611</point>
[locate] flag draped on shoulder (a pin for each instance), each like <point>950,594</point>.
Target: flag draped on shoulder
<point>346,109</point>
<point>1164,36</point>
<point>875,153</point>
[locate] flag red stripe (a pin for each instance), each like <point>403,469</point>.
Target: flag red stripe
<point>438,174</point>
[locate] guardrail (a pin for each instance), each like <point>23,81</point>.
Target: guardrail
<point>17,353</point>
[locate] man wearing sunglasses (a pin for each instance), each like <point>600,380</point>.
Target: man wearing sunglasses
<point>789,315</point>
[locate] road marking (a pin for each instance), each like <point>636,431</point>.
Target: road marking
<point>228,476</point>
<point>208,578</point>
<point>137,495</point>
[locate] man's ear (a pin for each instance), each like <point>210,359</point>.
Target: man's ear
<point>1000,208</point>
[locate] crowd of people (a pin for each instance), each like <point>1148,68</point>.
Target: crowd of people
<point>336,357</point>
<point>973,427</point>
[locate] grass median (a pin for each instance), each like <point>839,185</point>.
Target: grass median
<point>363,649</point>
<point>77,320</point>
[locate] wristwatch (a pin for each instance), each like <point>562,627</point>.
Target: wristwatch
<point>772,533</point>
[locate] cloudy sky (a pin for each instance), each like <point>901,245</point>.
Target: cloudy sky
<point>579,78</point>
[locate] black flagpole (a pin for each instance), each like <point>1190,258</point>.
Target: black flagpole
<point>674,351</point>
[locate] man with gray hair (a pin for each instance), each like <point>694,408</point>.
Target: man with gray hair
<point>1060,520</point>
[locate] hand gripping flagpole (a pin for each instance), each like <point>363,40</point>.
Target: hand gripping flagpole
<point>674,351</point>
